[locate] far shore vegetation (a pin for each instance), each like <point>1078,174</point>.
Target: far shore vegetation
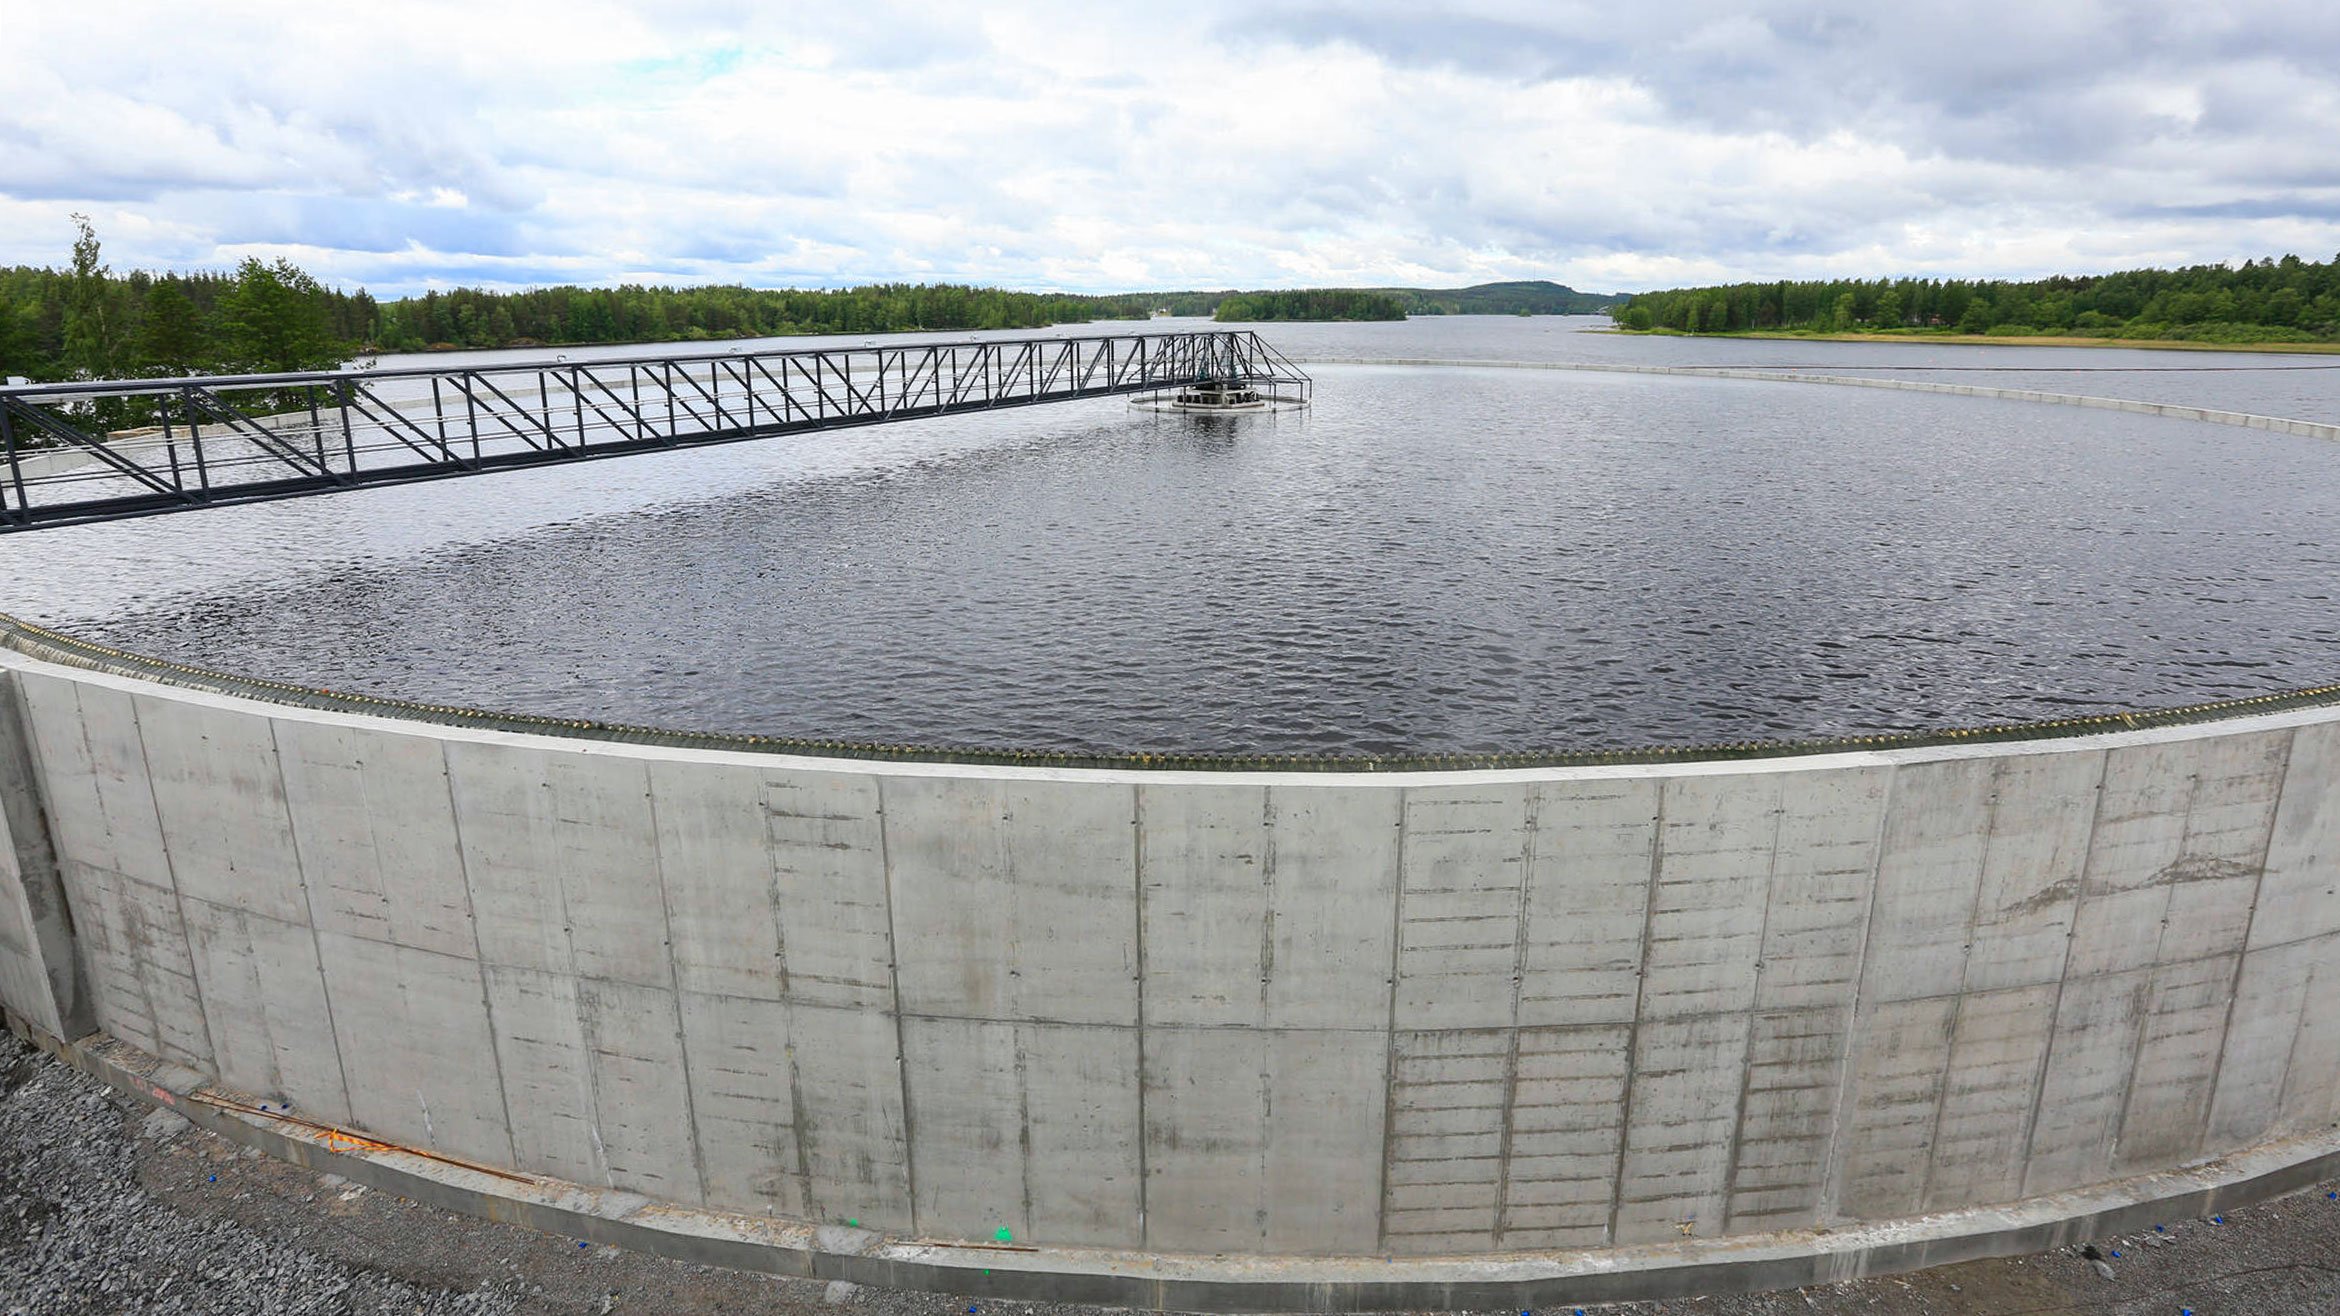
<point>1936,337</point>
<point>1310,304</point>
<point>2267,303</point>
<point>87,322</point>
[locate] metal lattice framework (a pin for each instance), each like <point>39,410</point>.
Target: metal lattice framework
<point>107,450</point>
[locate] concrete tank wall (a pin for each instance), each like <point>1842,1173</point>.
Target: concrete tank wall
<point>1403,1014</point>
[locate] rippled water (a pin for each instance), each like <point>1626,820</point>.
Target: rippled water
<point>1433,559</point>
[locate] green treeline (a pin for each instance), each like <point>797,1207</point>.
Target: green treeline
<point>86,322</point>
<point>1311,304</point>
<point>470,317</point>
<point>2261,301</point>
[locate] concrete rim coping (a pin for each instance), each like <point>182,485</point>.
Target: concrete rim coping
<point>2264,713</point>
<point>125,670</point>
<point>1208,1283</point>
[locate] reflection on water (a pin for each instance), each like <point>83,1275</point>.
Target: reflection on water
<point>1430,560</point>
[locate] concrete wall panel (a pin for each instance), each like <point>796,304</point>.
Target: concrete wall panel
<point>1595,847</point>
<point>220,797</point>
<point>1683,1112</point>
<point>2299,896</point>
<point>1567,1133</point>
<point>2181,835</point>
<point>1324,1126</point>
<point>1334,856</point>
<point>1998,1047</point>
<point>745,1106</point>
<point>563,862</point>
<point>40,977</point>
<point>1280,1015</point>
<point>1263,1140</point>
<point>1205,897</point>
<point>24,978</point>
<point>798,1110</point>
<point>265,1006</point>
<point>594,1080</point>
<point>1014,899</point>
<point>851,1131</point>
<point>1893,1106</point>
<point>641,1094</point>
<point>2311,1095</point>
<point>1031,1128</point>
<point>374,821</point>
<point>2271,1002</point>
<point>1270,908</point>
<point>2138,838</point>
<point>1780,1157</point>
<point>714,852</point>
<point>2229,824</point>
<point>1714,869</point>
<point>1816,914</point>
<point>1929,871</point>
<point>415,1046</point>
<point>547,1073</point>
<point>2090,1060</point>
<point>133,948</point>
<point>93,778</point>
<point>1468,853</point>
<point>775,884</point>
<point>1450,1120</point>
<point>2042,809</point>
<point>2179,1041</point>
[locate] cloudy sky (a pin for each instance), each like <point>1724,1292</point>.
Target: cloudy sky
<point>1097,146</point>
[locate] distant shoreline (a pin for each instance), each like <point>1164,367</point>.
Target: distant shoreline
<point>1995,340</point>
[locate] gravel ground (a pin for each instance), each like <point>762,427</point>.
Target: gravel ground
<point>106,1207</point>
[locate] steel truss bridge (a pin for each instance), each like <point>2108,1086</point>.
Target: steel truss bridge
<point>108,450</point>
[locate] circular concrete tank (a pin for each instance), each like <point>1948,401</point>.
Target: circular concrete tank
<point>1211,1039</point>
<point>1495,1032</point>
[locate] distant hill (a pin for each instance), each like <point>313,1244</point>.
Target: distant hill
<point>1526,297</point>
<point>1523,297</point>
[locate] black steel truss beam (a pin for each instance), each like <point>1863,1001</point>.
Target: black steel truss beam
<point>407,425</point>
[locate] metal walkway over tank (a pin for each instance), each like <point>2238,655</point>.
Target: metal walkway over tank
<point>107,450</point>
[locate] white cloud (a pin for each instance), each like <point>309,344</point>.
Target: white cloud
<point>1101,147</point>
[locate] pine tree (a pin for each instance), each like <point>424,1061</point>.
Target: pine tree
<point>90,346</point>
<point>171,340</point>
<point>278,318</point>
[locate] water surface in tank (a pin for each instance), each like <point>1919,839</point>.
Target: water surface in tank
<point>1433,559</point>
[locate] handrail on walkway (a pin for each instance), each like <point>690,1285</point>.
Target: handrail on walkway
<point>101,450</point>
